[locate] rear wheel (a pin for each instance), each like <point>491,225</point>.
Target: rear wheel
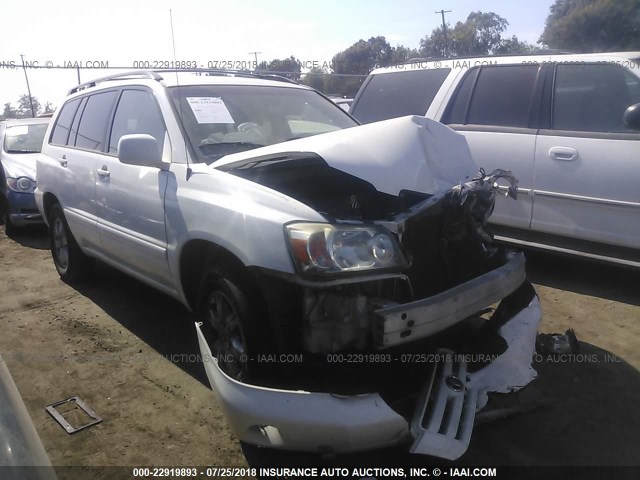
<point>71,263</point>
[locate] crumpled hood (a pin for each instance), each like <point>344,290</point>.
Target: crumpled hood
<point>407,153</point>
<point>19,164</point>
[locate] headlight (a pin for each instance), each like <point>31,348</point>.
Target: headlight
<point>21,184</point>
<point>323,248</point>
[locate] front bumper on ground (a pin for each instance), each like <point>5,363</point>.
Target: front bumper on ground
<point>324,422</point>
<point>23,210</point>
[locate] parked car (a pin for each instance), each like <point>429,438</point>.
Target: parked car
<point>22,455</point>
<point>342,102</point>
<point>334,269</point>
<point>557,121</point>
<point>21,142</point>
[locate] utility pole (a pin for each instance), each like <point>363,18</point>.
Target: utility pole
<point>444,30</point>
<point>255,55</point>
<point>33,113</point>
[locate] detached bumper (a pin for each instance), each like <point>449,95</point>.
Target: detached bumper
<point>423,318</point>
<point>23,210</point>
<point>323,422</point>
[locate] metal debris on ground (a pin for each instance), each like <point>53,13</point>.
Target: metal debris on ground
<point>51,408</point>
<point>557,343</point>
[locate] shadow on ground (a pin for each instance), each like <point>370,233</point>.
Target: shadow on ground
<point>161,322</point>
<point>36,237</point>
<point>584,277</point>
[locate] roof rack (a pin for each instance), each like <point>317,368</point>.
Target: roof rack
<point>231,73</point>
<point>545,51</point>
<point>118,76</point>
<point>155,75</point>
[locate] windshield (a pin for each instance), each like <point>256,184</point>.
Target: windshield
<point>224,119</point>
<point>24,138</point>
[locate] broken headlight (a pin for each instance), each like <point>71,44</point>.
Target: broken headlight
<point>325,248</point>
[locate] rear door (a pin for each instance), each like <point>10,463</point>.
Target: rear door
<point>496,109</point>
<point>130,198</point>
<point>76,142</point>
<point>587,160</point>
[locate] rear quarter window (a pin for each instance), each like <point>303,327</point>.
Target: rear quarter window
<point>60,133</point>
<point>391,95</point>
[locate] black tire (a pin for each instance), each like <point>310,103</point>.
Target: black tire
<point>9,227</point>
<point>70,262</point>
<point>229,308</point>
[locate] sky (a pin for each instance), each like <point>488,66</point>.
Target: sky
<point>210,33</point>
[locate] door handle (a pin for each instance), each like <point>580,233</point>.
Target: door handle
<point>63,161</point>
<point>104,172</point>
<point>564,154</point>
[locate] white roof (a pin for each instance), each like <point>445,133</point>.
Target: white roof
<point>629,59</point>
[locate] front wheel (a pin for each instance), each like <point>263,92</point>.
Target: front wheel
<point>227,310</point>
<point>71,263</point>
<point>9,228</point>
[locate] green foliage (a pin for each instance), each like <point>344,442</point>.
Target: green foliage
<point>593,25</point>
<point>9,111</point>
<point>314,78</point>
<point>288,67</point>
<point>513,46</point>
<point>480,34</point>
<point>24,106</point>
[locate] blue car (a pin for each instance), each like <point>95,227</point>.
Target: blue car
<point>21,142</point>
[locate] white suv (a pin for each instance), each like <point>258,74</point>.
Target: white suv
<point>341,275</point>
<point>566,125</point>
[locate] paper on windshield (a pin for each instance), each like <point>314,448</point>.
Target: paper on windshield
<point>210,110</point>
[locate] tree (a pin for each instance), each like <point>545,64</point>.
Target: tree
<point>400,54</point>
<point>356,62</point>
<point>314,78</point>
<point>288,67</point>
<point>593,25</point>
<point>24,106</point>
<point>9,111</point>
<point>480,34</point>
<point>48,108</point>
<point>434,45</point>
<point>513,46</point>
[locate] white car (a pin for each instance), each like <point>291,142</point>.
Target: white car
<point>20,143</point>
<point>340,274</point>
<point>566,125</point>
<point>342,102</point>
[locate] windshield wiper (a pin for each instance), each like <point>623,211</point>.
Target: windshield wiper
<point>22,151</point>
<point>233,144</point>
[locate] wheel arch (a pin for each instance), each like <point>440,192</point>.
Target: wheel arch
<point>196,256</point>
<point>48,201</point>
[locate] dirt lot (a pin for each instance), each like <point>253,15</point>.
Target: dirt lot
<point>129,352</point>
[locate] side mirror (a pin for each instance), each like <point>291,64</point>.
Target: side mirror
<point>632,116</point>
<point>139,149</point>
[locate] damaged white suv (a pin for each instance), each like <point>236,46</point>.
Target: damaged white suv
<point>342,276</point>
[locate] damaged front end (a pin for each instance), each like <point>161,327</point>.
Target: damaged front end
<point>404,310</point>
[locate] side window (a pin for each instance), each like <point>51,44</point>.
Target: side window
<point>137,112</point>
<point>593,97</point>
<point>502,96</point>
<point>457,109</point>
<point>60,132</point>
<point>391,95</point>
<point>92,131</point>
<point>73,135</point>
